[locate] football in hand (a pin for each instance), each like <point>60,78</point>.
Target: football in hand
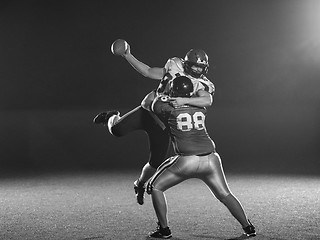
<point>119,47</point>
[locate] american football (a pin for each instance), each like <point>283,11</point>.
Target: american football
<point>119,47</point>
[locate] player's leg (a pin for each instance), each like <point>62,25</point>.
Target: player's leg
<point>139,185</point>
<point>217,183</point>
<point>121,125</point>
<point>167,176</point>
<point>159,141</point>
<point>129,122</point>
<point>137,119</point>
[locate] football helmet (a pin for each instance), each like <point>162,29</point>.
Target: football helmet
<point>197,58</point>
<point>181,87</point>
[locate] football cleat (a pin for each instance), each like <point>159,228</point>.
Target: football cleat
<point>103,117</point>
<point>139,189</point>
<point>161,232</point>
<point>249,232</point>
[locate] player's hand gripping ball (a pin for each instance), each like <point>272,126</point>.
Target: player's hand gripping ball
<point>119,47</point>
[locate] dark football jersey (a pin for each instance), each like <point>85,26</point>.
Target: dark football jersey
<point>187,127</point>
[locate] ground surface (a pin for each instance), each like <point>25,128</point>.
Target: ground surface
<point>99,206</point>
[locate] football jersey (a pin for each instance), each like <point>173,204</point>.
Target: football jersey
<point>187,127</point>
<point>174,68</point>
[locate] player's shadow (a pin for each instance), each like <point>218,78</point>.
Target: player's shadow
<point>208,236</point>
<point>172,238</point>
<point>93,238</point>
<point>258,237</point>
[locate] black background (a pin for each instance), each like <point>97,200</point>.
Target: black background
<point>57,72</point>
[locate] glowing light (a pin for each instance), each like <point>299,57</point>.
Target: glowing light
<point>308,25</point>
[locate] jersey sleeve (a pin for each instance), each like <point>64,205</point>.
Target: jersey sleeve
<point>174,65</point>
<point>204,84</point>
<point>173,68</point>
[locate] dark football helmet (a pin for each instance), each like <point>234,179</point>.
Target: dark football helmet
<point>196,57</point>
<point>181,87</point>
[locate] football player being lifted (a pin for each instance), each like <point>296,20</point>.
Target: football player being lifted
<point>195,65</point>
<point>196,157</point>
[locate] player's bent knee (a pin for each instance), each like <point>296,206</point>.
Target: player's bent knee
<point>151,188</point>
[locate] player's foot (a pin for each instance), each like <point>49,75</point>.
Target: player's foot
<point>103,117</point>
<point>161,232</point>
<point>139,189</point>
<point>249,232</point>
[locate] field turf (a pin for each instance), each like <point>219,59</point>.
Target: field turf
<point>102,205</point>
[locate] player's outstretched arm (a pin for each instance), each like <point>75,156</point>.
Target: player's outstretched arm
<point>142,68</point>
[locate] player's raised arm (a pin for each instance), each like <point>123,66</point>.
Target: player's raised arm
<point>142,68</point>
<point>121,48</point>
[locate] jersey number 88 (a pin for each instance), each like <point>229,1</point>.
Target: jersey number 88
<point>187,122</point>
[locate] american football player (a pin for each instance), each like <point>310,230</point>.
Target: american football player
<point>196,157</point>
<point>195,65</point>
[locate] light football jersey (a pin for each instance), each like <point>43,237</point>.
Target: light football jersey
<point>174,68</point>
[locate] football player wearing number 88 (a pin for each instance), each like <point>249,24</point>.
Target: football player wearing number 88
<point>196,157</point>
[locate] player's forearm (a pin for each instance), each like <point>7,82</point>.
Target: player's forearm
<point>140,67</point>
<point>144,69</point>
<point>202,101</point>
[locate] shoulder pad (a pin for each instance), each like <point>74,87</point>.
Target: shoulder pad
<point>174,62</point>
